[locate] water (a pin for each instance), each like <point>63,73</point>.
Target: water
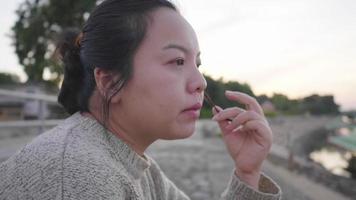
<point>333,159</point>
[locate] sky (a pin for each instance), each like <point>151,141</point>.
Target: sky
<point>292,47</point>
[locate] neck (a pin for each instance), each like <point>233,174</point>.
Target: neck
<point>136,141</point>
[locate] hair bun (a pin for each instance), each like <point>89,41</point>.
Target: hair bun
<point>69,52</point>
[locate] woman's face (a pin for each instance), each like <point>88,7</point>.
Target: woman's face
<point>163,98</point>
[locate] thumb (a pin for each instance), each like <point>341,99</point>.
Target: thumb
<point>223,123</point>
<point>216,109</point>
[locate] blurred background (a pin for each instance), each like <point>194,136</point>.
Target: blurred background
<point>297,58</point>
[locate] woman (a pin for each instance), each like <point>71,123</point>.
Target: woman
<point>131,78</point>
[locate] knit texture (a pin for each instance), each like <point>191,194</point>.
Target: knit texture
<point>79,159</point>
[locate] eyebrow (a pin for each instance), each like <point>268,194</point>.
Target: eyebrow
<point>179,47</point>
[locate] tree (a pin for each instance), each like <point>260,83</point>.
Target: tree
<point>318,105</point>
<point>35,32</point>
<point>6,78</point>
<point>262,98</point>
<point>216,90</point>
<point>281,102</point>
<point>213,89</point>
<point>236,86</point>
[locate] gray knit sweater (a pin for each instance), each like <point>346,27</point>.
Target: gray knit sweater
<point>78,159</point>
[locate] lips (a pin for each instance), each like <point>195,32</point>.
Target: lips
<point>193,112</point>
<point>195,107</point>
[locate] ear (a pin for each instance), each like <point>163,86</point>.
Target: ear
<point>117,97</point>
<point>105,81</point>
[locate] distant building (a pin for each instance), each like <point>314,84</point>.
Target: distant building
<point>16,108</point>
<point>10,109</point>
<point>34,109</point>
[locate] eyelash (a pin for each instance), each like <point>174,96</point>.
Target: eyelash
<point>198,65</point>
<point>179,60</point>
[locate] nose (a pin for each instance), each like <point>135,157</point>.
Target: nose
<point>197,82</point>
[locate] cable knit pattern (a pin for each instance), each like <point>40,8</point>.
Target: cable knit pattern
<point>78,159</point>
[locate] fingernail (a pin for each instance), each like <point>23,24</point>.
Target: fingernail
<point>228,91</point>
<point>218,108</point>
<point>214,108</point>
<point>215,117</point>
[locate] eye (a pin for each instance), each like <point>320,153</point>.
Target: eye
<point>198,61</point>
<point>198,64</point>
<point>179,61</point>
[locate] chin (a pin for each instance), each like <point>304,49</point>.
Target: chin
<point>178,137</point>
<point>185,132</point>
<point>180,133</point>
<point>184,135</point>
<point>179,129</point>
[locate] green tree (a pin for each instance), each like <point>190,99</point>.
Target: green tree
<point>39,22</point>
<point>236,86</point>
<point>281,102</point>
<point>216,90</point>
<point>317,105</point>
<point>6,78</point>
<point>285,105</point>
<point>262,98</point>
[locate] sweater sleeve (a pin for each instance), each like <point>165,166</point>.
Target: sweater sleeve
<point>236,189</point>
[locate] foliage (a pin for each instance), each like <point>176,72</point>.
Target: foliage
<point>317,105</point>
<point>216,90</point>
<point>270,114</point>
<point>314,104</point>
<point>285,105</point>
<point>351,114</point>
<point>6,78</point>
<point>206,113</point>
<point>352,167</point>
<point>39,22</point>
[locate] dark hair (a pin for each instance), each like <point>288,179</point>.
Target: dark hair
<point>108,40</point>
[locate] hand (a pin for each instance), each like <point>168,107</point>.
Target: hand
<point>246,134</point>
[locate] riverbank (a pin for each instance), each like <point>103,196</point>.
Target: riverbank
<point>303,135</point>
<point>201,167</point>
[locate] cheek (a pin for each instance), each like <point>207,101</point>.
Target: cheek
<point>167,100</point>
<point>162,87</point>
<point>156,93</point>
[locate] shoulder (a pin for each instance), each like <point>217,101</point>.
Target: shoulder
<point>68,160</point>
<point>89,167</point>
<point>46,147</point>
<point>37,166</point>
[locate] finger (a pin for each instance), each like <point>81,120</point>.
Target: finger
<point>261,129</point>
<point>250,102</point>
<point>222,124</point>
<point>228,114</point>
<point>216,109</point>
<point>242,118</point>
<point>256,125</point>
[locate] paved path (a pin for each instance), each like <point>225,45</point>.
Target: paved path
<point>201,167</point>
<point>308,188</point>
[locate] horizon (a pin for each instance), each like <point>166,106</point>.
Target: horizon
<point>296,48</point>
